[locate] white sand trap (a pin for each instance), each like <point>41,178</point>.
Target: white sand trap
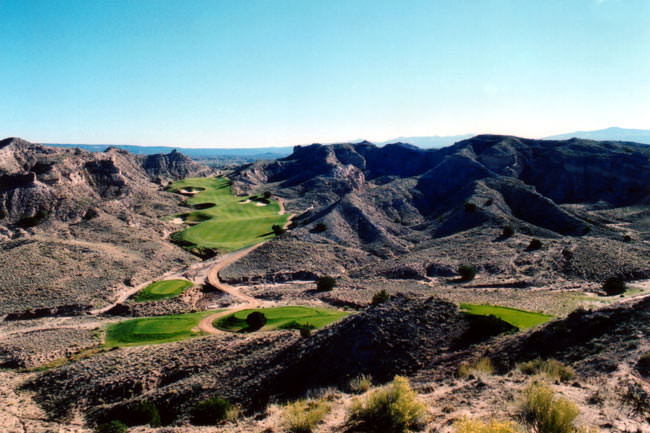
<point>185,191</point>
<point>260,204</point>
<point>244,202</point>
<point>177,221</point>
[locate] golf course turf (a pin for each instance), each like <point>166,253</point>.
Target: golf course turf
<point>282,318</point>
<point>163,289</point>
<point>154,330</point>
<point>520,318</point>
<point>222,221</point>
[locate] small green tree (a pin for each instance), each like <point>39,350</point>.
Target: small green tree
<point>255,320</point>
<point>614,286</point>
<point>466,272</point>
<point>325,283</point>
<point>380,297</point>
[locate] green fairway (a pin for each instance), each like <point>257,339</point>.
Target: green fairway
<point>519,318</point>
<point>282,318</point>
<point>153,330</point>
<point>223,221</point>
<point>163,289</point>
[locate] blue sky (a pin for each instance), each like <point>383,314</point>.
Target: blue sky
<point>269,73</point>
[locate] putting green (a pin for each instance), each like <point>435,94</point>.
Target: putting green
<point>163,289</point>
<point>154,330</point>
<point>223,221</point>
<point>282,318</point>
<point>520,318</point>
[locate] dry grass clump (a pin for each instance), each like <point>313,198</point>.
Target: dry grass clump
<point>493,426</point>
<point>301,416</point>
<point>546,413</point>
<point>552,368</point>
<point>477,367</point>
<point>360,384</point>
<point>393,408</point>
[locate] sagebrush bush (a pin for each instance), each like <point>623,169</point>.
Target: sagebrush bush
<point>466,272</point>
<point>552,368</point>
<point>635,397</point>
<point>508,231</point>
<point>493,426</point>
<point>546,413</point>
<point>112,427</point>
<point>393,408</point>
<point>380,297</point>
<point>360,384</point>
<point>535,244</point>
<point>210,412</point>
<point>302,416</point>
<point>476,367</point>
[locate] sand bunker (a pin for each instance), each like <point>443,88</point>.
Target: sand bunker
<point>260,204</point>
<point>245,201</point>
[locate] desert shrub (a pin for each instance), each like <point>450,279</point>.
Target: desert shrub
<point>466,272</point>
<point>627,238</point>
<point>3,214</point>
<point>614,286</point>
<point>469,207</point>
<point>535,244</point>
<point>635,397</point>
<point>255,320</point>
<point>111,427</point>
<point>552,368</point>
<point>360,384</point>
<point>267,195</point>
<point>546,413</point>
<point>90,214</point>
<point>325,283</point>
<point>393,408</point>
<point>508,231</point>
<point>305,332</point>
<point>277,229</point>
<point>492,426</point>
<point>643,365</point>
<point>302,416</point>
<point>476,367</point>
<point>210,412</point>
<point>139,413</point>
<point>380,297</point>
<point>488,202</point>
<point>320,228</point>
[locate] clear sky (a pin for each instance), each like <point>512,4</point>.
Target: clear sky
<point>240,73</point>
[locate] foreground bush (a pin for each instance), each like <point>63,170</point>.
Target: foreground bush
<point>360,384</point>
<point>302,416</point>
<point>476,367</point>
<point>138,413</point>
<point>466,272</point>
<point>493,426</point>
<point>255,320</point>
<point>546,413</point>
<point>210,412</point>
<point>550,367</point>
<point>325,283</point>
<point>614,286</point>
<point>393,408</point>
<point>112,427</point>
<point>380,297</point>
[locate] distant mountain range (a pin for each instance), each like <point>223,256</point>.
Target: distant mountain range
<point>195,153</point>
<point>428,142</point>
<point>613,133</point>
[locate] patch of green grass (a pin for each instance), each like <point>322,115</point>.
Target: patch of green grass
<point>520,318</point>
<point>163,289</point>
<point>281,317</point>
<point>223,221</point>
<point>154,330</point>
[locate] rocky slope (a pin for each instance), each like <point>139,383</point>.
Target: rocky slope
<point>77,227</point>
